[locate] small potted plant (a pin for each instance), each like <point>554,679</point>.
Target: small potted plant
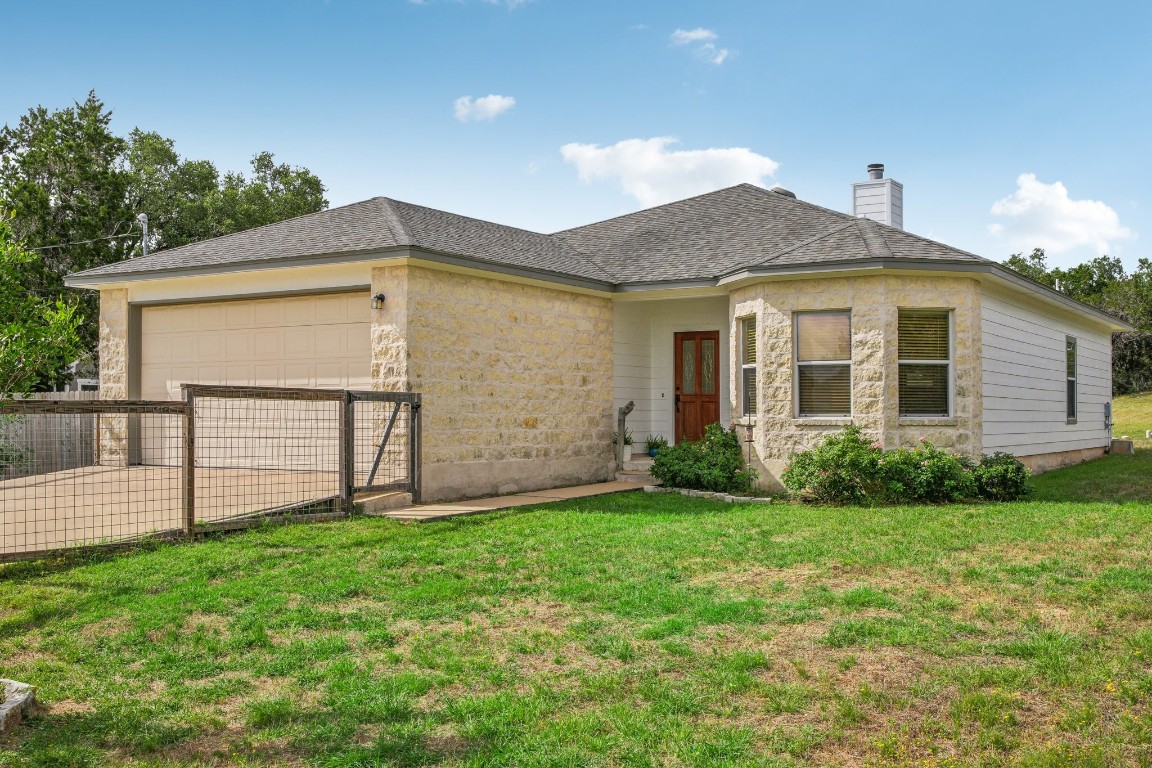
<point>654,444</point>
<point>627,452</point>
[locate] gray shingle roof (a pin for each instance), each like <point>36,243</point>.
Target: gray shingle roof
<point>703,237</point>
<point>364,226</point>
<point>721,232</point>
<point>370,226</point>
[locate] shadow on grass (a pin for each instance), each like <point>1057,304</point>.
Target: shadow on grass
<point>65,560</point>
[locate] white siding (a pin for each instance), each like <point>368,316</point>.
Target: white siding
<point>881,201</point>
<point>1024,379</point>
<point>643,341</point>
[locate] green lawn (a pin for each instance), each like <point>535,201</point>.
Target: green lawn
<point>1133,417</point>
<point>633,630</point>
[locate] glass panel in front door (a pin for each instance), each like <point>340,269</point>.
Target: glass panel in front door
<point>707,367</point>
<point>688,366</point>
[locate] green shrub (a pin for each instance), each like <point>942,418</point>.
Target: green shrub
<point>714,463</point>
<point>848,469</point>
<point>939,476</point>
<point>1001,477</point>
<point>841,470</point>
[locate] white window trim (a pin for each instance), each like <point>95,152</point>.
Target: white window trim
<point>743,366</point>
<point>1074,378</point>
<point>845,417</point>
<point>951,365</point>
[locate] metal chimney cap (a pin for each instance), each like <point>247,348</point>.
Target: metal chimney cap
<point>876,170</point>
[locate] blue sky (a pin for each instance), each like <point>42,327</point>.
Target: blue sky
<point>1010,124</point>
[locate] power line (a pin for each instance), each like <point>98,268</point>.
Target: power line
<point>113,236</point>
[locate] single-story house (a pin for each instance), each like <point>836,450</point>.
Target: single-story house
<point>744,306</point>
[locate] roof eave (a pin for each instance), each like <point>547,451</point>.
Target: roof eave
<point>529,273</point>
<point>93,281</point>
<point>932,265</point>
<point>88,280</point>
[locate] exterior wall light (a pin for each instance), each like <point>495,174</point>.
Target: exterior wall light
<point>378,301</point>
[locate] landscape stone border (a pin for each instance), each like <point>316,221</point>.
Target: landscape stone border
<point>16,700</point>
<point>725,497</point>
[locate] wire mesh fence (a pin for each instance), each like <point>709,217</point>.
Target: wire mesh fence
<point>101,493</point>
<point>385,441</point>
<point>259,450</point>
<point>82,474</point>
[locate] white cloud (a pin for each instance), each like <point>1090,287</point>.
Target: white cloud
<point>712,54</point>
<point>1039,215</point>
<point>707,50</point>
<point>487,107</point>
<point>652,173</point>
<point>688,36</point>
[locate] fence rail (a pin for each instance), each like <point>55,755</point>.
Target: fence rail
<point>95,472</point>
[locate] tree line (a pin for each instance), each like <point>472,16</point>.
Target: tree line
<point>70,193</point>
<point>1103,283</point>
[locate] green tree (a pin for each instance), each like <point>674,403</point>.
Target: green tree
<point>1093,281</point>
<point>180,196</point>
<point>60,175</point>
<point>1131,299</point>
<point>75,190</point>
<point>273,193</point>
<point>187,201</point>
<point>39,337</point>
<point>1033,266</point>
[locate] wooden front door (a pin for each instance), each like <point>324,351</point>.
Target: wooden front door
<point>697,383</point>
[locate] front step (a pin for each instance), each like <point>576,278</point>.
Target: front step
<point>638,470</point>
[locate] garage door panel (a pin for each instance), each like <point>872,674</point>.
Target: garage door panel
<point>330,337</point>
<point>268,314</point>
<point>239,345</point>
<point>299,374</point>
<point>267,344</point>
<point>242,374</point>
<point>331,310</point>
<point>211,317</point>
<point>299,342</point>
<point>211,346</point>
<point>239,314</point>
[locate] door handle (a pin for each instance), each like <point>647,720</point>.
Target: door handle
<point>677,402</point>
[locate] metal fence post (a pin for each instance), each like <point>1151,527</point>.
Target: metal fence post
<point>188,468</point>
<point>414,448</point>
<point>347,452</point>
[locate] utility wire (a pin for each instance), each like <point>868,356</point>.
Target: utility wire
<point>85,242</point>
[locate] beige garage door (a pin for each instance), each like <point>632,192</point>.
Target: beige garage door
<point>318,340</point>
<point>291,341</point>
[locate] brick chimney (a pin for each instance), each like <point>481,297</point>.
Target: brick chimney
<point>878,198</point>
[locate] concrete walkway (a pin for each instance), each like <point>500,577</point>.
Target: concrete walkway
<point>423,513</point>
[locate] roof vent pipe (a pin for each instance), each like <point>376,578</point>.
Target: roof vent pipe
<point>876,171</point>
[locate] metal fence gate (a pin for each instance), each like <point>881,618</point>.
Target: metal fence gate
<point>104,472</point>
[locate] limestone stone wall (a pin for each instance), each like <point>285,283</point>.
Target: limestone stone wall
<point>516,379</point>
<point>113,350</point>
<point>874,303</point>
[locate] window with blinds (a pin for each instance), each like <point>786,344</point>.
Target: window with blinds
<point>823,344</point>
<point>1070,363</point>
<point>748,366</point>
<point>925,352</point>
